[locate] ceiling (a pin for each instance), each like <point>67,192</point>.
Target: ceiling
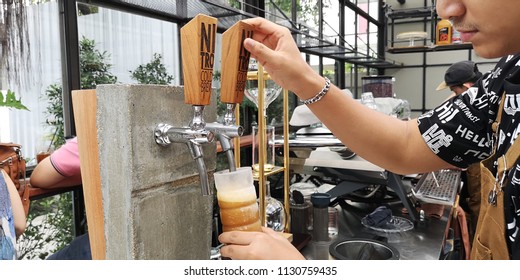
<point>184,10</point>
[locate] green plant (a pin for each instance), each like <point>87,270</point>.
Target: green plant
<point>10,101</point>
<point>94,70</point>
<point>54,224</point>
<point>153,72</point>
<point>48,226</point>
<point>54,94</point>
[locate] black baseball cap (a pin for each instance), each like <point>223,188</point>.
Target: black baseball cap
<point>460,73</point>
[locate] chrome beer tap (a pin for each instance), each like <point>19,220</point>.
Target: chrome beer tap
<point>235,64</point>
<point>198,40</point>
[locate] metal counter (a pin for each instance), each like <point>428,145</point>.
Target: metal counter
<point>424,242</point>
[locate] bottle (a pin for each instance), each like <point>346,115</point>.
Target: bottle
<point>305,190</point>
<point>320,212</point>
<point>274,211</point>
<point>455,37</point>
<point>301,214</point>
<point>444,30</point>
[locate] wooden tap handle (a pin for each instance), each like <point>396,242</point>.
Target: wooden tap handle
<point>235,62</point>
<point>198,40</point>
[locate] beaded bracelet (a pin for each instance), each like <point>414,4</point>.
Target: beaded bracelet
<point>318,95</point>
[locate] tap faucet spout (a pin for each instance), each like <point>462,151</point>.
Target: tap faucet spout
<point>198,156</point>
<point>166,134</point>
<point>225,134</point>
<point>229,115</point>
<point>197,122</point>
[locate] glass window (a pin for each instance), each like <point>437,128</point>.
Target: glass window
<point>44,67</point>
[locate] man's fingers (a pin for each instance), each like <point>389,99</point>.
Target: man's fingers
<point>236,252</point>
<point>262,25</point>
<point>268,230</point>
<point>236,237</point>
<point>259,51</point>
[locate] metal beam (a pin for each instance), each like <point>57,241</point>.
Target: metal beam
<point>362,13</point>
<point>123,6</point>
<point>69,60</point>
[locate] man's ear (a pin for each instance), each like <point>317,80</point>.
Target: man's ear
<point>468,84</point>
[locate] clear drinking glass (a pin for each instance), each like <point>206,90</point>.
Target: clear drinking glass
<point>269,153</point>
<point>236,197</point>
<point>271,89</point>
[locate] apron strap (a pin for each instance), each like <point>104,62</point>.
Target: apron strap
<point>495,124</point>
<point>513,152</point>
<point>510,157</point>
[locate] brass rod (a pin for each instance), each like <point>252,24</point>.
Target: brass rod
<point>261,145</point>
<point>286,159</point>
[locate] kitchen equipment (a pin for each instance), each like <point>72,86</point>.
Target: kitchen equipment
<point>380,86</point>
<point>362,249</point>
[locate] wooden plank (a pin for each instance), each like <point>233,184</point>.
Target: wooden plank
<point>235,64</point>
<point>85,105</point>
<point>198,41</point>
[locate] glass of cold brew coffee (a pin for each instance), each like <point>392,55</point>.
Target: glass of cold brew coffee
<point>236,197</point>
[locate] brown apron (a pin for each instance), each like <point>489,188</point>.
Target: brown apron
<point>490,236</point>
<point>473,186</point>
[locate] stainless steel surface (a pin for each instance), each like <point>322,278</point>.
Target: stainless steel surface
<point>194,137</point>
<point>198,156</point>
<point>311,141</point>
<point>440,188</point>
<point>166,134</point>
<point>424,242</point>
<point>363,249</point>
<point>197,121</point>
<point>225,133</point>
<point>229,115</point>
<point>228,130</point>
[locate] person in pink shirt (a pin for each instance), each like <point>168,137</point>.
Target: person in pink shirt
<point>60,169</point>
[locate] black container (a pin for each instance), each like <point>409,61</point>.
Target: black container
<point>300,217</point>
<point>320,203</point>
<point>380,86</point>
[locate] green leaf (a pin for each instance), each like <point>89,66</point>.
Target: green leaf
<point>154,72</point>
<point>10,101</point>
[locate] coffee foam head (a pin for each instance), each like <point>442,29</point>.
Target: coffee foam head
<point>238,195</point>
<point>231,181</point>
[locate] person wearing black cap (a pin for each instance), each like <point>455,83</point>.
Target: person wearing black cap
<point>460,77</point>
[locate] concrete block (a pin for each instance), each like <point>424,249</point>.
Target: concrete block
<point>142,180</point>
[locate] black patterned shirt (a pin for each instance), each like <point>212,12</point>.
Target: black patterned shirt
<point>459,131</point>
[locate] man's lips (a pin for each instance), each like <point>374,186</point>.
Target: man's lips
<point>466,35</point>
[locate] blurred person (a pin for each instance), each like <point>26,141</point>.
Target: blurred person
<point>12,217</point>
<point>62,169</point>
<point>459,77</point>
<point>458,133</point>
